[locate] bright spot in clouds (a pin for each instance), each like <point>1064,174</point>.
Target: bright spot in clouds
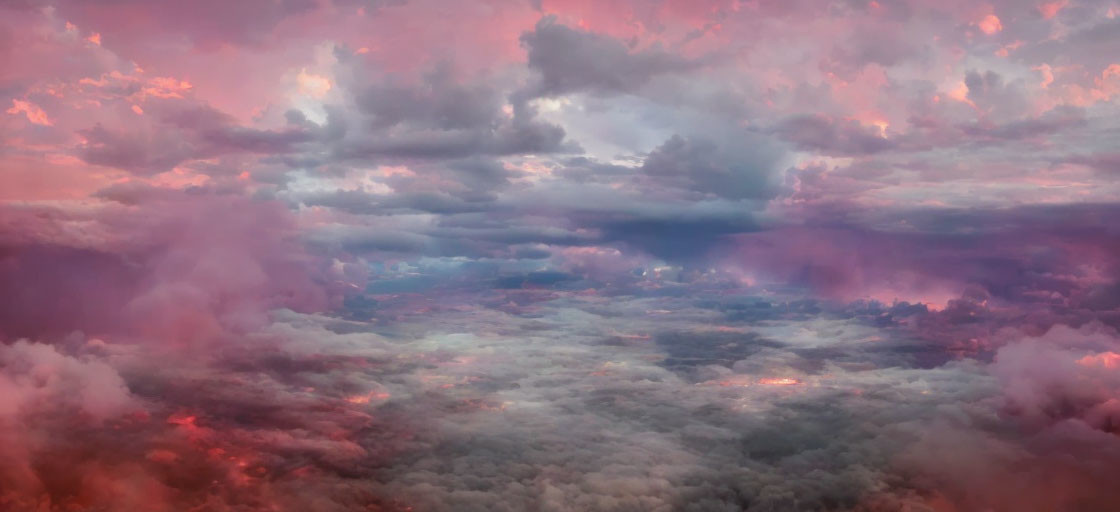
<point>990,24</point>
<point>780,381</point>
<point>31,111</point>
<point>313,85</point>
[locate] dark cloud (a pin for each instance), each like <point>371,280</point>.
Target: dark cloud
<point>183,132</point>
<point>511,138</point>
<point>141,153</point>
<point>441,118</point>
<point>989,92</point>
<point>676,238</point>
<point>570,60</point>
<point>742,171</point>
<point>1049,123</point>
<point>364,203</point>
<point>825,135</point>
<point>1104,162</point>
<point>438,102</point>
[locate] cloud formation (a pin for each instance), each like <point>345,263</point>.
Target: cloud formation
<point>559,255</point>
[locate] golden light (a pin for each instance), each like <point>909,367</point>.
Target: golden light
<point>313,85</point>
<point>1110,360</point>
<point>367,398</point>
<point>781,381</point>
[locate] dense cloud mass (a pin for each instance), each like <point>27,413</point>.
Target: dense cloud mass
<point>557,255</point>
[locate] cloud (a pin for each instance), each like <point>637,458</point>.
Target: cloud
<point>505,255</point>
<point>570,60</point>
<point>828,136</point>
<point>244,24</point>
<point>33,113</point>
<point>182,133</point>
<point>707,167</point>
<point>441,118</point>
<point>190,273</point>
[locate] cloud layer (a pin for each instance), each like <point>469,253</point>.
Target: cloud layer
<point>559,255</point>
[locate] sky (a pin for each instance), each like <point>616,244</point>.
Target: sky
<point>559,255</point>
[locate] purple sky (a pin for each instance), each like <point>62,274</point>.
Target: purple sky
<point>577,255</point>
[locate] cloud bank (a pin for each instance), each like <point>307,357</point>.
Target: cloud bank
<point>559,255</point>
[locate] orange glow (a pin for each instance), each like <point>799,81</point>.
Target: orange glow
<point>882,125</point>
<point>1051,9</point>
<point>1110,360</point>
<point>1108,85</point>
<point>313,85</point>
<point>783,381</point>
<point>990,24</point>
<point>960,93</point>
<point>167,87</point>
<point>187,424</point>
<point>366,398</point>
<point>182,420</point>
<point>94,38</point>
<point>1105,87</point>
<point>31,110</point>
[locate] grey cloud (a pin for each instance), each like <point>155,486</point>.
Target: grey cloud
<point>1103,162</point>
<point>380,204</point>
<point>882,45</point>
<point>829,136</point>
<point>1049,123</point>
<point>136,152</point>
<point>570,60</point>
<point>182,132</point>
<point>733,169</point>
<point>437,102</point>
<point>443,119</point>
<point>989,92</point>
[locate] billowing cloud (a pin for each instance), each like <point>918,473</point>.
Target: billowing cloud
<point>569,60</point>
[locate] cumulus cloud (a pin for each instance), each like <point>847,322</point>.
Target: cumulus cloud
<point>161,268</point>
<point>733,172</point>
<point>570,60</point>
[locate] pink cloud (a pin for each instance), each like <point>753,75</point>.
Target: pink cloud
<point>990,24</point>
<point>1051,9</point>
<point>33,113</point>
